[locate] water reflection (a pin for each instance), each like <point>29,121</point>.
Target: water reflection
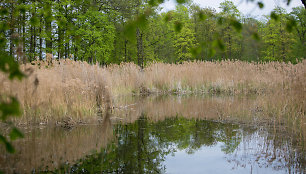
<point>46,148</point>
<point>165,135</point>
<point>161,147</point>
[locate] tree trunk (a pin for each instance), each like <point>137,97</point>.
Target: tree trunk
<point>40,41</point>
<point>125,50</point>
<point>49,35</point>
<point>23,38</point>
<point>66,35</point>
<point>59,42</point>
<point>31,44</point>
<point>139,48</point>
<point>12,28</point>
<point>34,44</point>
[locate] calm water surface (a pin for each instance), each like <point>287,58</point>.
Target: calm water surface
<point>148,136</point>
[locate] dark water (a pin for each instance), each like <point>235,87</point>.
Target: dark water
<point>170,144</point>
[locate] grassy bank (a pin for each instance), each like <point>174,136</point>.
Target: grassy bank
<point>74,92</point>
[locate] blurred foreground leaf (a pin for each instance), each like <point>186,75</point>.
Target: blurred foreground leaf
<point>15,134</point>
<point>255,36</point>
<point>260,5</point>
<point>274,16</point>
<point>291,23</point>
<point>9,108</point>
<point>237,25</point>
<point>9,147</point>
<point>178,26</point>
<point>8,65</point>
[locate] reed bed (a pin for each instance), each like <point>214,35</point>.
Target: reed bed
<point>69,92</point>
<point>225,77</point>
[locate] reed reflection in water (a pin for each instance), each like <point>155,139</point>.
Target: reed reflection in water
<point>141,134</point>
<point>49,147</point>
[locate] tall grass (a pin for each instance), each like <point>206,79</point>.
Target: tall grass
<point>68,91</point>
<point>59,92</point>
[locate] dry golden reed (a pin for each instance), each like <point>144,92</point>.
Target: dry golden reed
<point>65,90</point>
<point>69,91</point>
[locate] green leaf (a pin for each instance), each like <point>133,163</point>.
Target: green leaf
<point>220,20</point>
<point>22,9</point>
<point>181,1</point>
<point>255,36</point>
<point>8,65</point>
<point>15,133</point>
<point>221,45</point>
<point>141,20</point>
<point>155,2</point>
<point>237,25</point>
<point>168,16</point>
<point>218,43</point>
<point>3,11</point>
<point>178,26</point>
<point>202,16</point>
<point>274,16</point>
<point>195,51</point>
<point>9,147</point>
<point>4,26</point>
<point>10,108</point>
<point>260,5</point>
<point>291,23</point>
<point>34,21</point>
<point>130,31</point>
<point>211,52</point>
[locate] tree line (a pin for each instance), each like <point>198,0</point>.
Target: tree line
<point>138,31</point>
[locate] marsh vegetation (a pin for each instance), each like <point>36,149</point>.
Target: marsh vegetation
<point>124,87</point>
<point>77,90</point>
<point>86,115</point>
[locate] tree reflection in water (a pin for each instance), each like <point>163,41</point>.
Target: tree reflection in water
<point>142,134</point>
<point>143,147</point>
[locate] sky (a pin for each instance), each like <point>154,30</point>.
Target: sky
<point>247,8</point>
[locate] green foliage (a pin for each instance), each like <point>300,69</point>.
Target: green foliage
<point>9,106</point>
<point>219,44</point>
<point>15,134</point>
<point>96,35</point>
<point>291,23</point>
<point>155,2</point>
<point>178,26</point>
<point>9,66</point>
<point>260,4</point>
<point>116,31</point>
<point>277,37</point>
<point>274,16</point>
<point>9,147</point>
<point>237,25</point>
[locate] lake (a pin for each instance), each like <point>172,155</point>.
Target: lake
<point>167,134</point>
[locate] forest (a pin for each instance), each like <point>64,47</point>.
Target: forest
<point>111,32</point>
<point>82,81</point>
